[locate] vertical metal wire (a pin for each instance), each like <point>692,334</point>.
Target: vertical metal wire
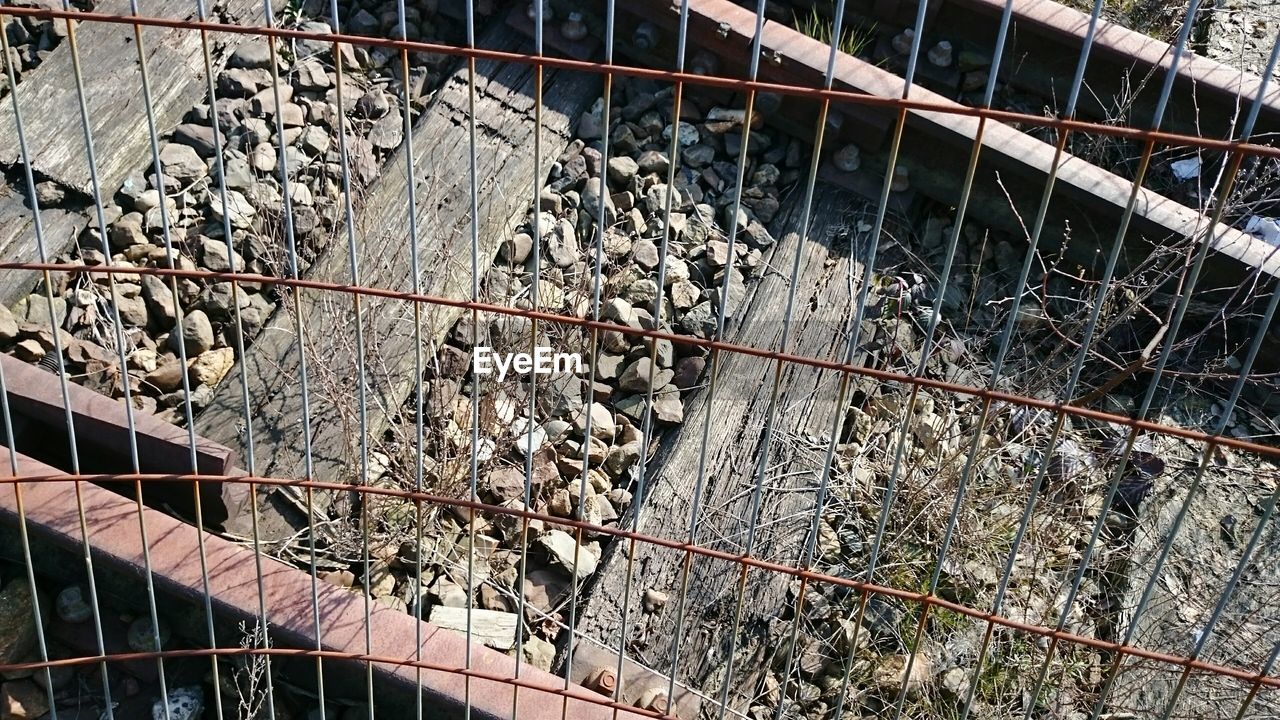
<point>38,227</point>
<point>299,333</point>
<point>178,328</point>
<point>539,8</point>
<point>1232,165</point>
<point>1011,320</point>
<point>23,539</point>
<point>597,285</point>
<point>855,325</point>
<point>806,555</point>
<point>1122,466</point>
<point>935,317</point>
<point>1257,684</point>
<point>757,492</point>
<point>637,505</point>
<point>237,341</point>
<point>418,429</point>
<point>473,451</point>
<point>361,379</point>
<point>1078,365</point>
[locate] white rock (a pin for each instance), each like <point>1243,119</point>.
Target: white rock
<point>493,628</point>
<point>561,546</point>
<point>185,703</point>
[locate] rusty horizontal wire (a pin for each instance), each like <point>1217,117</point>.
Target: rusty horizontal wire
<point>744,561</point>
<point>749,350</point>
<point>596,68</point>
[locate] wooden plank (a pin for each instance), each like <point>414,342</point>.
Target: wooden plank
<point>804,413</point>
<point>113,93</point>
<point>18,238</point>
<point>112,83</point>
<point>505,120</point>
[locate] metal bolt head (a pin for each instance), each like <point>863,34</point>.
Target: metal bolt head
<point>603,680</point>
<point>653,699</point>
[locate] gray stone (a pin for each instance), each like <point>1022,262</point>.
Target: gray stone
<point>591,191</point>
<point>314,141</point>
<point>622,171</point>
<point>238,210</point>
<point>292,116</point>
<point>251,55</point>
<point>602,425</point>
<point>132,308</point>
<point>388,132</point>
<point>685,294</point>
<point>736,293</point>
<point>642,292</point>
<point>757,236</point>
<point>34,309</point>
<point>636,377</point>
<point>667,406</point>
<point>197,334</point>
<point>373,104</point>
<point>8,326</point>
<point>218,300</point>
<point>562,548</point>
<point>363,23</point>
<point>362,159</point>
<point>698,156</point>
<point>688,371</point>
<point>49,193</point>
<point>182,163</point>
<point>197,137</point>
<point>652,161</point>
<point>127,232</point>
<point>214,255</point>
<point>621,458</point>
<point>159,299</point>
<point>308,48</point>
<point>241,83</point>
<point>562,246</point>
<point>646,253</point>
<point>609,366</point>
<point>309,74</point>
<point>239,176</point>
<point>516,249</point>
<point>700,320</point>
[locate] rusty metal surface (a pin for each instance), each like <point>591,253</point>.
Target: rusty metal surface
<point>113,526</point>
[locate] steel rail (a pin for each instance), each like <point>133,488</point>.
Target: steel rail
<point>549,61</point>
<point>1270,681</point>
<point>686,340</point>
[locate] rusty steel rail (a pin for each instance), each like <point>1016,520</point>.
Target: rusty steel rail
<point>1049,35</point>
<point>38,493</point>
<point>1248,149</point>
<point>111,519</point>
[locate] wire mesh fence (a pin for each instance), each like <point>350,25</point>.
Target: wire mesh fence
<point>446,359</point>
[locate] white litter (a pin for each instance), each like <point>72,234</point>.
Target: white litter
<point>1185,169</point>
<point>1264,228</point>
